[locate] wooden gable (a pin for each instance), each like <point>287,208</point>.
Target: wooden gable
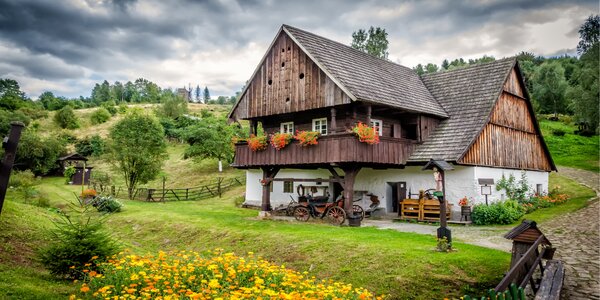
<point>287,80</point>
<point>511,137</point>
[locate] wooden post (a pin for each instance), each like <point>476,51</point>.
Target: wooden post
<point>252,126</point>
<point>333,121</point>
<point>444,231</point>
<point>349,177</point>
<point>268,174</point>
<point>10,151</point>
<point>164,191</point>
<point>369,110</point>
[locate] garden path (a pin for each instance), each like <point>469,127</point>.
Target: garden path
<point>576,236</point>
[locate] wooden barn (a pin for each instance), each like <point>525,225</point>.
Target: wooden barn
<point>477,118</point>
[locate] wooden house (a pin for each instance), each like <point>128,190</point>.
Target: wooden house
<point>478,118</point>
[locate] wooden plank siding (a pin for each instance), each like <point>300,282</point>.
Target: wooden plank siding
<point>334,148</point>
<point>510,139</point>
<point>287,92</point>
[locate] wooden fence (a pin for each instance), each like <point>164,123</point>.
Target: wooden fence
<point>208,190</point>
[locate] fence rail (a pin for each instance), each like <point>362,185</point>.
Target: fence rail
<point>209,190</point>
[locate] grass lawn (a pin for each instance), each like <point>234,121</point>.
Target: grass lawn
<point>571,150</point>
<point>402,265</point>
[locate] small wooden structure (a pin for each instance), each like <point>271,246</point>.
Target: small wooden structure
<point>423,210</point>
<point>530,248</point>
<point>83,172</point>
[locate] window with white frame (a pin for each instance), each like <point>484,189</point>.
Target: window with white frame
<point>320,125</point>
<point>378,125</point>
<point>287,127</point>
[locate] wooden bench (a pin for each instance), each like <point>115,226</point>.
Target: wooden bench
<point>410,209</point>
<point>552,281</point>
<point>430,210</point>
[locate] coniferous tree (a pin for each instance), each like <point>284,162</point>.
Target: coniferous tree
<point>206,95</point>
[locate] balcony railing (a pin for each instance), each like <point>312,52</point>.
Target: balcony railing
<point>333,148</point>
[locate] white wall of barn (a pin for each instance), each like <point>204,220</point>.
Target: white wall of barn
<point>460,182</point>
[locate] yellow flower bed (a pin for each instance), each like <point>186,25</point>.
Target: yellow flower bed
<point>213,275</point>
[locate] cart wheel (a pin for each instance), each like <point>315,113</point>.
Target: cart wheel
<point>358,210</point>
<point>336,215</point>
<point>289,211</point>
<point>301,213</point>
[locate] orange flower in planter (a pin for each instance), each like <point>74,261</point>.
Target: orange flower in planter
<point>89,193</point>
<point>366,134</point>
<point>280,140</point>
<point>463,202</point>
<point>307,138</point>
<point>257,143</point>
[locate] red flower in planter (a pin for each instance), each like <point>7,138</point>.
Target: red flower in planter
<point>366,134</point>
<point>307,138</point>
<point>280,140</point>
<point>257,143</point>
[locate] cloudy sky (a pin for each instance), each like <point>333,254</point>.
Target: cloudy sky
<point>65,46</point>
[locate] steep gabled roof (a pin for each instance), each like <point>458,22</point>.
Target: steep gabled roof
<point>366,77</point>
<point>468,95</point>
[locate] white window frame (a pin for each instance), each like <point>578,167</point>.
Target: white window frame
<point>290,127</point>
<point>379,126</point>
<point>322,123</point>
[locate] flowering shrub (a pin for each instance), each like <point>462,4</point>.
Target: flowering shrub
<point>502,212</point>
<point>366,134</point>
<point>107,204</point>
<point>463,202</point>
<point>89,193</point>
<point>542,201</point>
<point>307,138</point>
<point>257,143</point>
<point>280,140</point>
<point>214,275</point>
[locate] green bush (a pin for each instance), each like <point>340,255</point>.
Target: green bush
<point>8,116</point>
<point>505,212</point>
<point>122,108</point>
<point>107,204</point>
<point>558,132</point>
<point>66,118</point>
<point>22,179</point>
<point>90,146</point>
<point>100,116</point>
<point>78,240</point>
<point>39,154</point>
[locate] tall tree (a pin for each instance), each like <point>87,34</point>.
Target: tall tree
<point>549,88</point>
<point>374,41</point>
<point>206,95</point>
<point>445,64</point>
<point>11,96</point>
<point>419,69</point>
<point>210,139</point>
<point>138,149</point>
<point>589,33</point>
<point>198,93</point>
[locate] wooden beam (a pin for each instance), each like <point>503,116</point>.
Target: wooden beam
<point>307,179</point>
<point>252,127</point>
<point>369,111</point>
<point>268,174</point>
<point>333,126</point>
<point>350,173</point>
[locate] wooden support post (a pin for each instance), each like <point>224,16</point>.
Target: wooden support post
<point>349,177</point>
<point>443,230</point>
<point>268,174</point>
<point>10,151</point>
<point>369,110</point>
<point>333,121</point>
<point>252,125</point>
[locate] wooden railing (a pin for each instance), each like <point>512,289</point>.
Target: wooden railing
<point>333,148</point>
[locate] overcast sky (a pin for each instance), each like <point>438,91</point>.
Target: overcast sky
<point>67,46</point>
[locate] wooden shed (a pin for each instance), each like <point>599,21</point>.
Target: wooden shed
<point>82,171</point>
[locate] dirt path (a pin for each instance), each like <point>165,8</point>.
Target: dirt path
<point>576,236</point>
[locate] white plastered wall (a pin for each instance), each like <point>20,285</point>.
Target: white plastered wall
<point>460,182</point>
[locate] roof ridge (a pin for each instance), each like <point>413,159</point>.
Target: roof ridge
<point>470,67</point>
<point>349,47</point>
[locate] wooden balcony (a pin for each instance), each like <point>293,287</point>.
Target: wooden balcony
<point>332,149</point>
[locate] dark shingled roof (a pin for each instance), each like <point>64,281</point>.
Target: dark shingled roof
<point>368,78</point>
<point>468,95</point>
